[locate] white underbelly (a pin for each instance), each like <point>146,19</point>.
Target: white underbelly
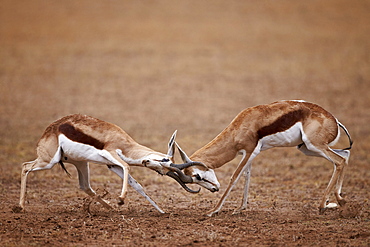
<point>288,138</point>
<point>81,152</point>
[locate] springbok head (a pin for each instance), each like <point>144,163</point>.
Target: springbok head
<point>164,164</point>
<point>197,173</point>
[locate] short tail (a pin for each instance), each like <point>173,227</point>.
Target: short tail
<point>347,133</point>
<point>64,168</point>
<point>62,164</point>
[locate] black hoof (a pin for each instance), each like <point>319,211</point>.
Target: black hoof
<point>17,209</point>
<point>342,202</point>
<point>322,210</point>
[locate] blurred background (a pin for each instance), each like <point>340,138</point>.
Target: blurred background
<point>155,66</point>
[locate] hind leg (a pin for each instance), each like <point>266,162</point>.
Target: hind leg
<point>336,179</point>
<point>303,148</point>
<point>84,181</point>
<point>338,188</point>
<point>339,164</point>
<point>337,176</point>
<point>28,167</point>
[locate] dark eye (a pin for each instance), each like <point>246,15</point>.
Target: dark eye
<point>165,160</point>
<point>198,177</point>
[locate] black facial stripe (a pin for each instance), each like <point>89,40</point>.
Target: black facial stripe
<point>205,180</point>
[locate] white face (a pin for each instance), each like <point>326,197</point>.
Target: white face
<point>206,179</point>
<point>157,162</point>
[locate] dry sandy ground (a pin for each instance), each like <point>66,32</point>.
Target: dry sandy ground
<point>155,66</point>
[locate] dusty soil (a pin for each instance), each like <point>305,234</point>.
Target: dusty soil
<point>155,66</point>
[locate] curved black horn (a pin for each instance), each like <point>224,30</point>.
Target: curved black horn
<point>184,178</point>
<point>177,178</point>
<point>186,165</point>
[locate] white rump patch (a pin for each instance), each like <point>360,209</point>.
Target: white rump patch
<point>336,138</point>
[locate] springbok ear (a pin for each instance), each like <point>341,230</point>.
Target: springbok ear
<point>183,155</point>
<point>171,145</point>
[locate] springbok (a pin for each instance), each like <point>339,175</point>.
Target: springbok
<point>281,124</point>
<point>80,139</point>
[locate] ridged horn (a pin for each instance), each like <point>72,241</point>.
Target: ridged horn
<point>179,180</point>
<point>186,165</point>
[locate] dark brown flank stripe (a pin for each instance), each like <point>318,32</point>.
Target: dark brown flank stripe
<point>76,135</point>
<point>281,124</point>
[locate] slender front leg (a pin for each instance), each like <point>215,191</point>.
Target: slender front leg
<point>140,189</point>
<point>124,185</point>
<point>246,187</point>
<point>247,159</point>
<point>234,179</point>
<point>134,184</point>
<point>113,159</point>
